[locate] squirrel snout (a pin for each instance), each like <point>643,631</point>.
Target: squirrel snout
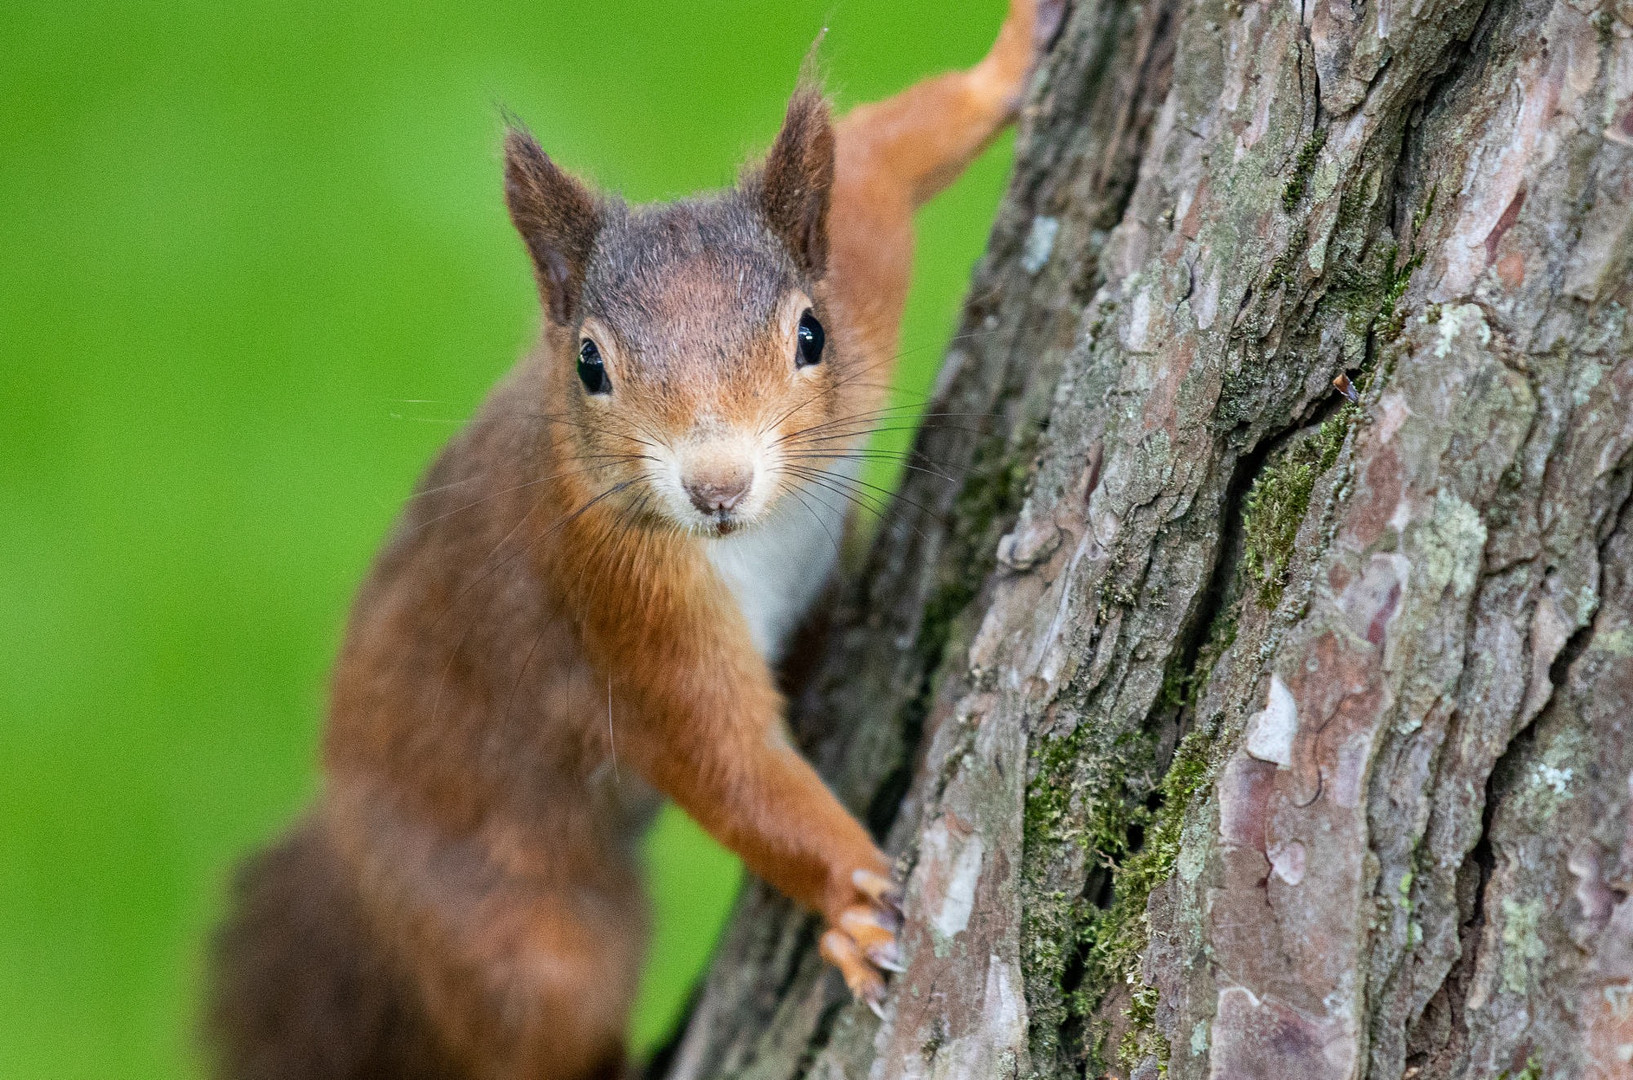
<point>718,492</point>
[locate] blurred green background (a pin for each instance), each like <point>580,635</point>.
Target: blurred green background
<point>254,268</point>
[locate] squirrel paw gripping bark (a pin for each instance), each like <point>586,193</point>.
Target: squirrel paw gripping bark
<point>862,940</point>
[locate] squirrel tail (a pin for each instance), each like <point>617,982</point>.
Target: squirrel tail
<point>298,988</point>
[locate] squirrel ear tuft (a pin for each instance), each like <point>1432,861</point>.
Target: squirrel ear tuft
<point>558,219</point>
<point>796,185</point>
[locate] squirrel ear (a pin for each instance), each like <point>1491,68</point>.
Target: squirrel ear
<point>558,220</point>
<point>798,180</point>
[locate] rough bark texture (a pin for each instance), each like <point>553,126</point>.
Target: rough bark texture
<point>1223,728</point>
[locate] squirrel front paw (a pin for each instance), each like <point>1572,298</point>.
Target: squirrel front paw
<point>861,938</point>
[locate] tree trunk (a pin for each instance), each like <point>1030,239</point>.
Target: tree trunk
<point>1224,728</point>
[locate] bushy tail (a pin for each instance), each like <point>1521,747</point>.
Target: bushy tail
<point>299,993</point>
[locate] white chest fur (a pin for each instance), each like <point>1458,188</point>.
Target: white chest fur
<point>777,569</point>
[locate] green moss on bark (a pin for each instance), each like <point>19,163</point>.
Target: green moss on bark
<point>1139,848</point>
<point>1303,165</point>
<point>1278,501</point>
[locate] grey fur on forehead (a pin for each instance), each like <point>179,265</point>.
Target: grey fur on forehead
<point>697,276</point>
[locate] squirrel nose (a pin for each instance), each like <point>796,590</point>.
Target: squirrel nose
<point>718,492</point>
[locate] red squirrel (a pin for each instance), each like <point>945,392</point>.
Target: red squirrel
<point>582,609</point>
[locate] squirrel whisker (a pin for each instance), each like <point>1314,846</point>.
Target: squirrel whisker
<point>876,456</point>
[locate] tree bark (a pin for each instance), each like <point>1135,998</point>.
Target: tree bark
<point>1224,728</point>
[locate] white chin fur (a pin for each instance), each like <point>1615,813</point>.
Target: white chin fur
<point>776,567</point>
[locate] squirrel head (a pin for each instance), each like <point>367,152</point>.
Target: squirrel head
<point>697,370</point>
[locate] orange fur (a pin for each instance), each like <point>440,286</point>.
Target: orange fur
<point>545,647</point>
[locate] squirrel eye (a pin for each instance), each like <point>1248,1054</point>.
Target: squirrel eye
<point>591,371</point>
<point>811,339</point>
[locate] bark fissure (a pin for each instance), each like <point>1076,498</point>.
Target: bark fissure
<point>1220,714</point>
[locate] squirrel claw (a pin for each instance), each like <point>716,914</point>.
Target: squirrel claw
<point>861,976</point>
<point>880,889</point>
<point>887,960</point>
<point>875,936</point>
